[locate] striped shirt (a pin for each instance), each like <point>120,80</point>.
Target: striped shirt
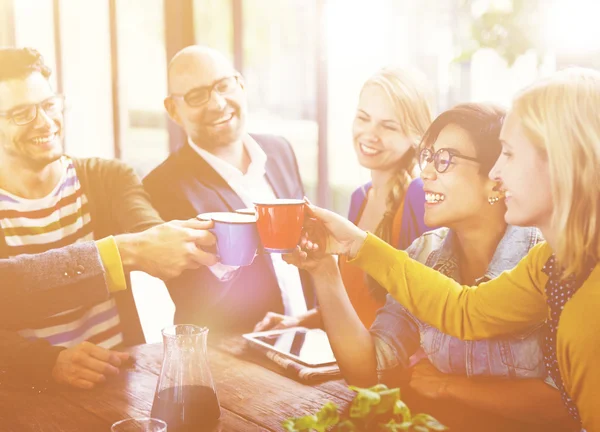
<point>61,218</point>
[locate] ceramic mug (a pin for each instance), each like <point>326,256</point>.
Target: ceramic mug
<point>247,211</point>
<point>279,223</point>
<point>237,237</point>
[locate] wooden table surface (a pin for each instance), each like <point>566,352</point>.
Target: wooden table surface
<point>253,393</point>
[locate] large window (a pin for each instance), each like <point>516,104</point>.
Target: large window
<point>142,86</point>
<point>213,25</point>
<point>7,23</point>
<point>114,73</point>
<point>362,38</point>
<point>279,53</point>
<point>86,73</point>
<point>34,27</point>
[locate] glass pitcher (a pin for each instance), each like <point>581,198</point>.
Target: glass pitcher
<point>185,394</point>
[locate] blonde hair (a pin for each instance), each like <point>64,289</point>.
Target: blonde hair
<point>561,116</point>
<point>409,93</point>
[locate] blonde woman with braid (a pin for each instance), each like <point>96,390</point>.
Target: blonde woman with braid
<point>549,168</point>
<point>392,115</point>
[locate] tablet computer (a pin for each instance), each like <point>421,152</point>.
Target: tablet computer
<point>307,346</point>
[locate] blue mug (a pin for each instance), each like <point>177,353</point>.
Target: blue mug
<point>237,237</point>
<point>247,211</point>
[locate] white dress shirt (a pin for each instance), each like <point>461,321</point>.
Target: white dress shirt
<point>251,187</point>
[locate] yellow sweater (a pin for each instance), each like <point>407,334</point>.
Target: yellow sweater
<point>512,302</point>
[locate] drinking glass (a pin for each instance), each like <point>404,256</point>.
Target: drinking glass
<point>139,425</point>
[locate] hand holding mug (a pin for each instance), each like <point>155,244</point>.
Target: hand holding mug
<point>280,223</point>
<point>337,236</point>
<point>237,237</point>
<point>312,259</point>
<point>166,250</point>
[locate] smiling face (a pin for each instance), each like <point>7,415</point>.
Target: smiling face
<point>525,176</point>
<point>458,196</point>
<point>221,120</point>
<point>39,142</point>
<point>379,142</point>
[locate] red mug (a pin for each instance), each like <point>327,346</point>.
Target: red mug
<point>279,223</point>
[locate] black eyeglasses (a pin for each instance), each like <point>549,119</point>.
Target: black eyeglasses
<point>198,96</point>
<point>442,159</point>
<point>27,113</point>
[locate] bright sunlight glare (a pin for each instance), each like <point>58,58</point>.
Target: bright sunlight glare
<point>573,26</point>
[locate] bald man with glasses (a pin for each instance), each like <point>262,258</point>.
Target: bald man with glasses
<point>221,167</point>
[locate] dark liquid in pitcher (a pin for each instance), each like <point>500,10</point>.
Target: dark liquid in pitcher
<point>198,411</point>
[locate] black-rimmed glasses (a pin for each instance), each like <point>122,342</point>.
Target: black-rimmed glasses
<point>198,96</point>
<point>442,159</point>
<point>27,113</point>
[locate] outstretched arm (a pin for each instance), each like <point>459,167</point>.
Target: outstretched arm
<point>512,302</point>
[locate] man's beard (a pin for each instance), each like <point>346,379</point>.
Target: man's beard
<point>38,162</point>
<point>208,138</point>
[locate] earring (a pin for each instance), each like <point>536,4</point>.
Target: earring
<point>493,200</point>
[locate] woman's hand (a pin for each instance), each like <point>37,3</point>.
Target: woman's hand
<point>336,236</point>
<point>317,264</point>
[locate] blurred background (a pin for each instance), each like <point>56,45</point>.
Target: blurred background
<point>304,62</point>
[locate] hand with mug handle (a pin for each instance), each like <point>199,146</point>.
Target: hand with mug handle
<point>335,236</point>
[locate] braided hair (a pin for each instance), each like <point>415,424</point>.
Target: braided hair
<point>409,93</point>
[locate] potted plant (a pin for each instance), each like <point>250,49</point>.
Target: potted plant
<point>374,409</point>
<point>509,27</point>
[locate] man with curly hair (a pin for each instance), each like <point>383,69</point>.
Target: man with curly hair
<point>70,231</point>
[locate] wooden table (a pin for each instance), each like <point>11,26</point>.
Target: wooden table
<point>253,396</point>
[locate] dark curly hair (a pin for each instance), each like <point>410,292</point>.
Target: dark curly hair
<point>16,63</point>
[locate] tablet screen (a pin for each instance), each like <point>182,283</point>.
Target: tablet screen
<point>310,346</point>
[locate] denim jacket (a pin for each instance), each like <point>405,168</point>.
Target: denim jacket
<point>397,334</point>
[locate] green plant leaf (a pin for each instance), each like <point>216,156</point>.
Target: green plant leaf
<point>369,408</point>
<point>392,426</point>
<point>511,32</point>
<point>328,415</point>
<point>362,403</point>
<point>465,55</point>
<point>387,402</point>
<point>428,421</point>
<point>306,422</point>
<point>379,388</point>
<point>289,425</point>
<point>400,408</point>
<point>346,426</point>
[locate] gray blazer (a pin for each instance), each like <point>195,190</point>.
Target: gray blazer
<point>118,204</point>
<point>37,286</point>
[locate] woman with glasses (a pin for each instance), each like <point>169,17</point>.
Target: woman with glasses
<point>392,115</point>
<point>550,177</point>
<point>476,244</point>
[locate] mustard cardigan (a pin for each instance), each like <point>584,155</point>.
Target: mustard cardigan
<point>514,301</point>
